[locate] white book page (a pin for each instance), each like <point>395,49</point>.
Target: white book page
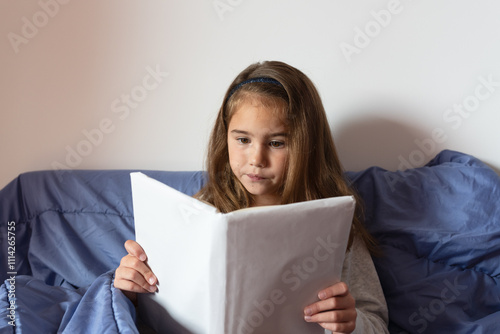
<point>184,240</point>
<point>279,258</point>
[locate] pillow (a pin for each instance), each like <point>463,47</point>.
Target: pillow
<point>439,229</point>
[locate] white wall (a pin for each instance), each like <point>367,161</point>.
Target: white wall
<point>67,66</point>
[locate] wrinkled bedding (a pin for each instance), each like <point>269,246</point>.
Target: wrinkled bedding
<point>439,230</point>
<point>42,308</point>
<point>70,227</point>
<point>438,227</point>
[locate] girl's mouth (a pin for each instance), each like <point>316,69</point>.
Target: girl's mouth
<point>255,177</point>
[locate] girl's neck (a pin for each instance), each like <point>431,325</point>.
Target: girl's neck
<point>265,201</point>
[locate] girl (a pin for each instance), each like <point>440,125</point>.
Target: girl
<point>272,145</point>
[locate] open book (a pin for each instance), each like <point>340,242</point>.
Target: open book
<point>248,271</point>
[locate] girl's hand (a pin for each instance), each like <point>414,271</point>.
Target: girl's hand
<point>335,311</point>
<point>134,275</point>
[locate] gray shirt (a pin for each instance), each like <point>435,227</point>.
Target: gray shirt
<point>359,273</point>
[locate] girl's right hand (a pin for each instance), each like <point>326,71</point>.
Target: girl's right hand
<point>134,275</point>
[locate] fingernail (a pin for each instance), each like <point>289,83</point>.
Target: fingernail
<point>307,318</point>
<point>151,280</point>
<point>142,257</point>
<point>322,295</point>
<point>152,288</point>
<point>308,311</point>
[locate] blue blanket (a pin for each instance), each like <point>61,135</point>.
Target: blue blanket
<point>69,231</point>
<point>439,230</point>
<point>438,227</point>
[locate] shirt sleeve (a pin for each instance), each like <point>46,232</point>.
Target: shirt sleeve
<point>359,273</point>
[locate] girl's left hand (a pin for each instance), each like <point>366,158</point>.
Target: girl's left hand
<point>335,311</point>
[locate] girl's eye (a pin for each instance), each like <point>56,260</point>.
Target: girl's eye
<point>243,140</point>
<point>276,144</point>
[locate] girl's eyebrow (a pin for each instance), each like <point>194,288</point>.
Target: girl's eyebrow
<point>243,132</point>
<point>240,132</point>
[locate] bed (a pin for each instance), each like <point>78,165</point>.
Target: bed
<point>62,235</point>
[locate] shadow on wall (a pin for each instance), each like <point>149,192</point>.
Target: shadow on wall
<point>389,143</point>
<point>385,142</point>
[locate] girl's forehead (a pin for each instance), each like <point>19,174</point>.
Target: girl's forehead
<point>258,114</point>
<point>274,106</point>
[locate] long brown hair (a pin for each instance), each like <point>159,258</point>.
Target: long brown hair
<point>314,170</point>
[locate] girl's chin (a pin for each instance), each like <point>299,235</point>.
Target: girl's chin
<point>265,198</point>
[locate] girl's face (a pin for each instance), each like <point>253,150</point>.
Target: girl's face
<point>257,144</point>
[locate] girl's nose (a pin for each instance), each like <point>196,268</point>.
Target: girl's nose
<point>257,157</point>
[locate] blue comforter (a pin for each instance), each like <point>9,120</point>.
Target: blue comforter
<point>70,227</point>
<point>438,227</point>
